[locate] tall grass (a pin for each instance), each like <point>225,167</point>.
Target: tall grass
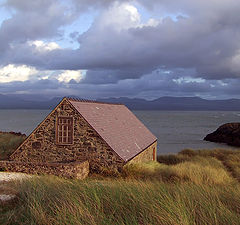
<point>229,158</point>
<point>199,171</point>
<point>8,144</point>
<point>51,200</point>
<point>191,187</point>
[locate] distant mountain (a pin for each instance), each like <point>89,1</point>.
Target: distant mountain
<point>177,103</point>
<point>12,102</point>
<point>162,103</point>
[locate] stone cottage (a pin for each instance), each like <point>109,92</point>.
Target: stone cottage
<point>106,135</point>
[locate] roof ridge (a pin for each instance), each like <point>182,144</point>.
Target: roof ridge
<point>90,101</point>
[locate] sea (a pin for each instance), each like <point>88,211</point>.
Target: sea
<point>175,130</point>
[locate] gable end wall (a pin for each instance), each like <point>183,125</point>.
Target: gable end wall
<point>41,145</point>
<point>146,155</point>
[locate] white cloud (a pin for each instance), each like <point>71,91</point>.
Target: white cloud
<point>187,80</point>
<point>133,12</point>
<point>43,46</point>
<point>69,75</point>
<point>124,16</point>
<point>150,23</point>
<point>120,16</point>
<point>13,72</point>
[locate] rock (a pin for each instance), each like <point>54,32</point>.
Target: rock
<point>6,198</point>
<point>11,176</point>
<point>228,133</point>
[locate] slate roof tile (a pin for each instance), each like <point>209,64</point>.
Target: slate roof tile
<point>117,125</point>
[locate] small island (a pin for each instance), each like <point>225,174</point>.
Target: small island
<point>228,133</point>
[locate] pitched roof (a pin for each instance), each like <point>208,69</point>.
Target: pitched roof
<point>117,125</point>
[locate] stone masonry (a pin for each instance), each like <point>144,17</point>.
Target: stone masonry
<point>146,155</point>
<point>41,146</point>
<point>78,170</point>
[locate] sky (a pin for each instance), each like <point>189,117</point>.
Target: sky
<point>128,48</point>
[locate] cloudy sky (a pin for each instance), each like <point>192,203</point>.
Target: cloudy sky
<point>133,48</point>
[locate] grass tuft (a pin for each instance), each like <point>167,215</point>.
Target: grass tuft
<point>199,171</point>
<point>229,158</point>
<point>191,187</point>
<point>51,200</point>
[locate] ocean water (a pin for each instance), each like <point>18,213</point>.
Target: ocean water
<point>175,130</point>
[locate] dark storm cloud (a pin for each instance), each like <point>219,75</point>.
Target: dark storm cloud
<point>32,20</point>
<point>208,41</point>
<point>30,86</point>
<point>122,56</point>
<point>113,76</point>
<point>147,86</point>
<point>205,43</point>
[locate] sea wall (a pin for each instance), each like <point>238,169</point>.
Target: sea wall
<point>77,170</point>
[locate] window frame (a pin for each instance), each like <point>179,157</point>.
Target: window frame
<point>57,130</point>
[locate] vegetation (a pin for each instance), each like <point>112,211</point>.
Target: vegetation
<point>51,200</point>
<point>198,171</point>
<point>8,143</point>
<point>191,187</point>
<point>230,159</point>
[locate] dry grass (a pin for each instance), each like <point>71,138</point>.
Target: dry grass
<point>229,158</point>
<point>199,171</point>
<point>192,187</point>
<point>172,159</point>
<point>200,174</point>
<point>51,200</point>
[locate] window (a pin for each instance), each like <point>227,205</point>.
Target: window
<point>64,130</point>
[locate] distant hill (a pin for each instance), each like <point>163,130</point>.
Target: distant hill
<point>12,102</point>
<point>177,103</point>
<point>162,103</point>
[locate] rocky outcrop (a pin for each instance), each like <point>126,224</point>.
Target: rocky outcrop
<point>228,133</point>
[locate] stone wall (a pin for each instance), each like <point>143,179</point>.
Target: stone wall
<point>41,145</point>
<point>146,155</point>
<point>78,170</point>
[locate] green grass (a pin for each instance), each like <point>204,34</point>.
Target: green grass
<point>8,144</point>
<point>51,200</point>
<point>198,191</point>
<point>198,170</point>
<point>229,158</point>
<point>188,188</point>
